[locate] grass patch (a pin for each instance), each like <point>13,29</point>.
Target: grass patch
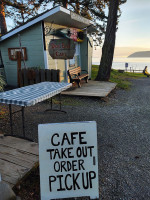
<point>3,112</point>
<point>122,79</point>
<point>67,101</point>
<point>2,83</point>
<point>94,71</point>
<point>72,101</point>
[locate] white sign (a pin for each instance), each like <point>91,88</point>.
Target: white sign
<point>79,18</point>
<point>68,160</point>
<point>126,64</point>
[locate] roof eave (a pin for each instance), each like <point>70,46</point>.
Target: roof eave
<point>30,23</point>
<point>46,16</point>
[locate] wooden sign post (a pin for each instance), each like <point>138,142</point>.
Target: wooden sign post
<point>18,54</point>
<point>18,66</point>
<point>68,161</point>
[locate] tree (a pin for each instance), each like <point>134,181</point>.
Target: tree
<point>94,9</point>
<point>91,9</point>
<point>3,27</point>
<point>19,10</point>
<point>109,42</point>
<point>27,9</point>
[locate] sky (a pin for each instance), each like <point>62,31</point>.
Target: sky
<point>134,25</point>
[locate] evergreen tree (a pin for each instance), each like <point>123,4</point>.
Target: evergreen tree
<point>109,42</point>
<point>19,10</point>
<point>3,27</point>
<point>27,9</point>
<point>95,10</point>
<point>91,9</point>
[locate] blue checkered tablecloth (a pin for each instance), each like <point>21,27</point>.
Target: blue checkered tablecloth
<point>30,95</point>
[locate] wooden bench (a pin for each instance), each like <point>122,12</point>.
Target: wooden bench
<point>76,76</point>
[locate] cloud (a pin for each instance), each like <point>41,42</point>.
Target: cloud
<point>136,5</point>
<point>130,21</point>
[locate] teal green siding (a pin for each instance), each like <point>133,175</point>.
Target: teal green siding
<point>84,54</point>
<point>32,39</point>
<point>86,50</point>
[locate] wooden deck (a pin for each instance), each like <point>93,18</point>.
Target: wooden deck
<point>17,157</point>
<point>92,88</point>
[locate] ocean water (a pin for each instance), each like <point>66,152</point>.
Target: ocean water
<point>133,63</point>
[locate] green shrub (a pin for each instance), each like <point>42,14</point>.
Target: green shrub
<point>2,83</point>
<point>3,112</point>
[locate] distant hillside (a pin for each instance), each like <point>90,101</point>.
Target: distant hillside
<point>140,54</point>
<point>120,51</point>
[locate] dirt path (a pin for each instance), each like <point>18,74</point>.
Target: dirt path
<point>124,144</point>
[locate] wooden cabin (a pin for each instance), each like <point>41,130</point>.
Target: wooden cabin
<point>33,38</point>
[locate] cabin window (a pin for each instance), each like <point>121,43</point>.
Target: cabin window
<point>12,53</point>
<point>75,62</point>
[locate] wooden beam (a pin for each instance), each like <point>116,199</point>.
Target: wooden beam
<point>18,67</point>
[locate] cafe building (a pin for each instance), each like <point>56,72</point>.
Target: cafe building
<point>57,39</point>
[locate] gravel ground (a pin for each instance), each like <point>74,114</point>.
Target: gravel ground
<point>123,121</point>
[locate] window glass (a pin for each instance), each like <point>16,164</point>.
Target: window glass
<point>75,61</point>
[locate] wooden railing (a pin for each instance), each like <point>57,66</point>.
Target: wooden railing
<point>32,76</point>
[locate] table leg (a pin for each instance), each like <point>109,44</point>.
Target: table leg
<point>60,101</point>
<point>10,114</point>
<point>23,123</point>
<point>60,106</point>
<point>51,103</point>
